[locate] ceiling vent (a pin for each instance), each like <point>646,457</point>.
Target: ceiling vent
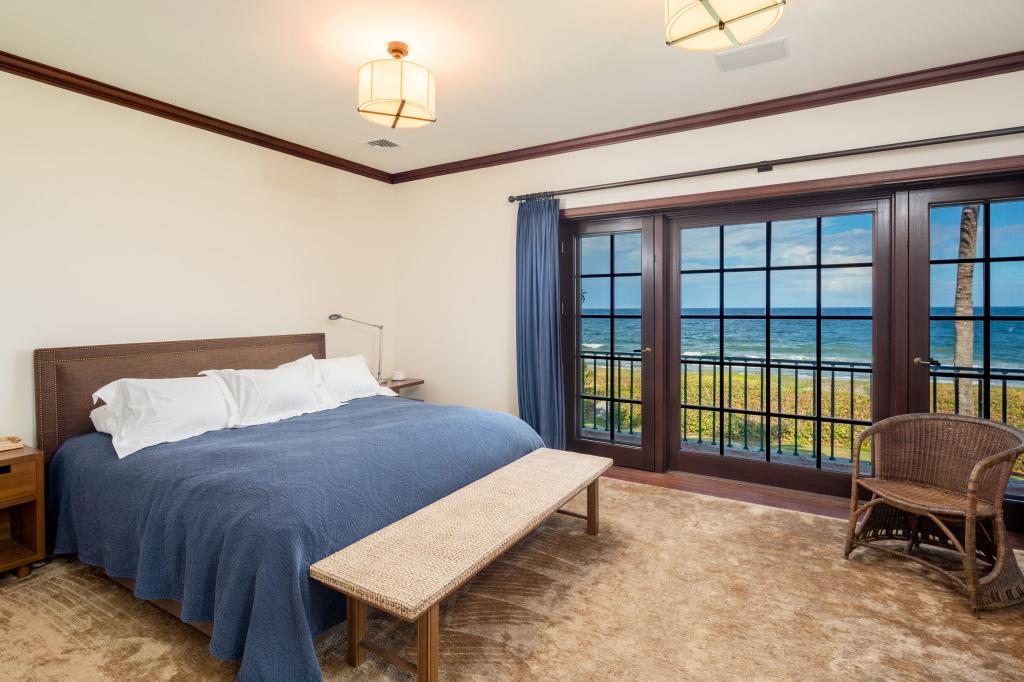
<point>382,143</point>
<point>750,55</point>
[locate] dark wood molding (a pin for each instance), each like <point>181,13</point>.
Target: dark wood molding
<point>27,68</point>
<point>978,68</point>
<point>880,179</point>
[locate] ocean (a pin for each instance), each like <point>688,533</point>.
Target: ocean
<point>841,340</point>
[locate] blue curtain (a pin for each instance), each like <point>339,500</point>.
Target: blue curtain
<point>538,351</point>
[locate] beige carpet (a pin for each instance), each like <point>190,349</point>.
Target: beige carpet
<point>677,587</point>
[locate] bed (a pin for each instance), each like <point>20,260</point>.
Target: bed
<point>222,528</point>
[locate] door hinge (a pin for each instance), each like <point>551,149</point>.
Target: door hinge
<point>562,307</point>
<point>562,246</point>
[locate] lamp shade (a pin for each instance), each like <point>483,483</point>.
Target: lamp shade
<point>718,24</point>
<point>396,93</point>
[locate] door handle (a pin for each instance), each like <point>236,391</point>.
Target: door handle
<point>645,349</point>
<point>929,362</point>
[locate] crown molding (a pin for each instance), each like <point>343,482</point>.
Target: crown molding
<point>27,68</point>
<point>978,68</point>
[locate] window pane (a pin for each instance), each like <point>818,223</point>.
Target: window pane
<point>837,442</point>
<point>1007,288</point>
<point>627,422</point>
<point>627,252</point>
<point>744,293</point>
<point>595,295</point>
<point>595,419</point>
<point>595,335</point>
<point>595,254</point>
<point>957,343</point>
<point>846,395</point>
<point>745,245</point>
<point>846,341</point>
<point>954,231</point>
<point>698,248</point>
<point>1007,228</point>
<point>846,291</point>
<point>1008,406</point>
<point>846,238</point>
<point>792,441</point>
<point>744,339</point>
<point>698,294</point>
<point>627,378</point>
<point>945,280</point>
<point>699,383</point>
<point>698,339</point>
<point>744,385</point>
<point>627,295</point>
<point>1007,345</point>
<point>628,335</point>
<point>794,340</point>
<point>744,436</point>
<point>794,292</point>
<point>795,242</point>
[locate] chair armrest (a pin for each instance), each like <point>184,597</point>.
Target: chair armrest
<point>979,470</point>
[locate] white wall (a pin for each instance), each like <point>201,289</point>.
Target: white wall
<point>456,307</point>
<point>117,226</point>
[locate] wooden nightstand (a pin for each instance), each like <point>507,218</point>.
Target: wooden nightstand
<point>399,386</point>
<point>21,510</point>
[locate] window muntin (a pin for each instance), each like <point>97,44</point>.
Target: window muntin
<point>781,369</point>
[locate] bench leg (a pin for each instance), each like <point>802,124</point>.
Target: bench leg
<point>592,508</point>
<point>356,631</point>
<point>428,629</point>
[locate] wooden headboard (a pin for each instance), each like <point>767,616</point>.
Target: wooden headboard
<point>66,378</point>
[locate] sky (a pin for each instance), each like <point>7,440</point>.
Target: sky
<point>844,239</point>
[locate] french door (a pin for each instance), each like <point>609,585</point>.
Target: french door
<point>966,302</point>
<point>757,341</point>
<point>609,338</point>
<point>777,313</point>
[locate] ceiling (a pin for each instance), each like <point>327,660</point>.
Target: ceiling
<point>509,74</point>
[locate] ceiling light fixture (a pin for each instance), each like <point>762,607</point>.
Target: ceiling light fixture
<point>718,24</point>
<point>396,93</point>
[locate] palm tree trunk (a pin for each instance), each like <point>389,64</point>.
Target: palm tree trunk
<point>963,337</point>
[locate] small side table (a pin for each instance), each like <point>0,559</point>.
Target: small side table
<point>21,510</point>
<point>399,386</point>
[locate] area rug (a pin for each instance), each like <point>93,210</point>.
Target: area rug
<point>677,586</point>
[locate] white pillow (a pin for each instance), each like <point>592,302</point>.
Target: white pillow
<point>104,419</point>
<point>349,378</point>
<point>144,412</point>
<point>261,396</point>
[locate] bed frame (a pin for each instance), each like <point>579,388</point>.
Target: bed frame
<point>66,378</point>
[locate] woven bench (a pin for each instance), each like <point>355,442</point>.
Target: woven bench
<point>407,569</point>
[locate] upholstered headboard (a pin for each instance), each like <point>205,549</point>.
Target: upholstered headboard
<point>66,378</point>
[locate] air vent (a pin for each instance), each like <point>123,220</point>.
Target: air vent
<point>381,142</point>
<point>750,55</point>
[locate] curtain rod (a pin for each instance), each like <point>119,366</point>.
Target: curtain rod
<point>764,166</point>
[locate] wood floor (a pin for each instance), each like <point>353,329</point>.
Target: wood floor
<point>797,500</point>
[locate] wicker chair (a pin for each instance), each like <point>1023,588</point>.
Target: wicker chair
<point>937,480</point>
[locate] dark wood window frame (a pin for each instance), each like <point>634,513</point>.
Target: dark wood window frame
<point>894,279</point>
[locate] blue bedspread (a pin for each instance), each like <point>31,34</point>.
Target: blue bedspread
<point>228,523</point>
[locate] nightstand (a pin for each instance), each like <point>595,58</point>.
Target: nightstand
<point>399,386</point>
<point>21,510</point>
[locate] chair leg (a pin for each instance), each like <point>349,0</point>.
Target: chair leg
<point>855,513</point>
<point>971,561</point>
<point>912,540</point>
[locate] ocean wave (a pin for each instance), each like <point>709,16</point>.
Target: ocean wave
<point>592,346</point>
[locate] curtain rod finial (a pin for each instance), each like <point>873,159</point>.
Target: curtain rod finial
<point>511,199</point>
